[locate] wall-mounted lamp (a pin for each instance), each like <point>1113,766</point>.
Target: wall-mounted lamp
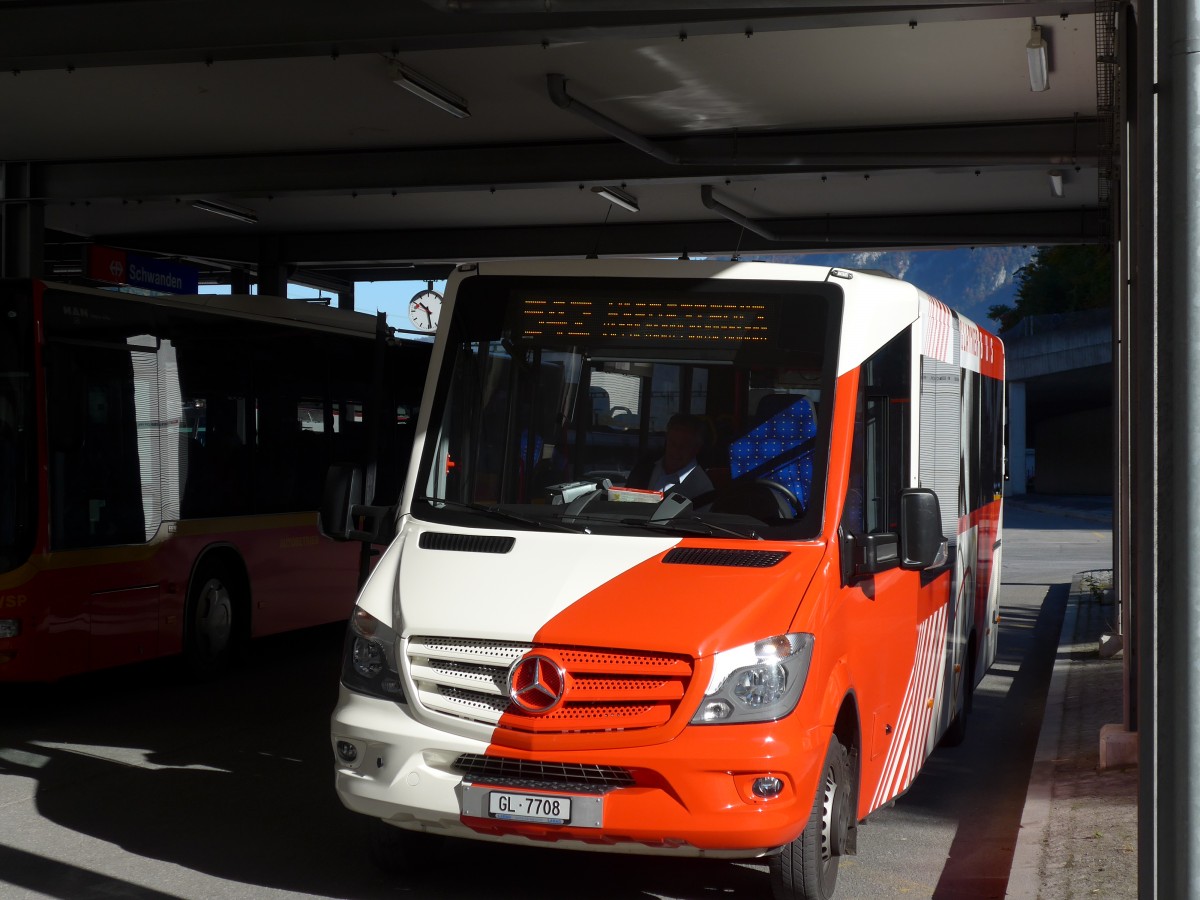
<point>230,212</point>
<point>1035,52</point>
<point>1056,183</point>
<point>429,90</point>
<point>621,198</point>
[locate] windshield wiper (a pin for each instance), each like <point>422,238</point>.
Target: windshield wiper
<point>497,512</point>
<point>690,526</point>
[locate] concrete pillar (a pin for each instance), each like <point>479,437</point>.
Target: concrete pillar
<point>239,281</point>
<point>22,223</point>
<point>272,269</point>
<point>346,297</point>
<point>1017,439</point>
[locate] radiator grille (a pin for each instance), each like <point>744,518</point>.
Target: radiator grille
<point>576,777</point>
<point>606,690</point>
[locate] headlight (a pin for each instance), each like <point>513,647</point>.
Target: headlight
<point>369,663</point>
<point>758,682</point>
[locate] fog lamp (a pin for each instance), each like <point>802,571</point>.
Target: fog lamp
<point>346,751</point>
<point>767,787</point>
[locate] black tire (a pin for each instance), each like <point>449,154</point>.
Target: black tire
<point>213,619</point>
<point>398,851</point>
<point>807,868</point>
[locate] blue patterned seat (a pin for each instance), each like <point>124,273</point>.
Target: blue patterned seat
<point>771,450</point>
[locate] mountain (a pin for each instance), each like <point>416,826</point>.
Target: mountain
<point>966,279</point>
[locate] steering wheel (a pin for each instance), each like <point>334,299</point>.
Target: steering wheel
<point>787,492</point>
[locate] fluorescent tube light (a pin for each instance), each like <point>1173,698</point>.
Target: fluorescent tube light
<point>230,212</point>
<point>429,90</point>
<point>1035,51</point>
<point>621,198</point>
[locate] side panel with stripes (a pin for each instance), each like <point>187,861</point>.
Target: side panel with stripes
<point>913,729</point>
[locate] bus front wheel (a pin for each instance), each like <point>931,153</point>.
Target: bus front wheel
<point>807,868</point>
<point>211,622</point>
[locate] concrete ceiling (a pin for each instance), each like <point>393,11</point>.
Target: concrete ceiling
<point>764,127</point>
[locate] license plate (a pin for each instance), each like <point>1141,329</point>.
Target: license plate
<point>485,801</point>
<point>549,808</point>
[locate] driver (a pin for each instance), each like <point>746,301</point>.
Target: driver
<point>677,470</point>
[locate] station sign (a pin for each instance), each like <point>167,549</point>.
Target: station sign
<point>121,267</point>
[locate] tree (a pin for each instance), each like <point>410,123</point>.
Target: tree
<point>1059,279</point>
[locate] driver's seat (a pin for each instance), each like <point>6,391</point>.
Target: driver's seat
<point>780,447</point>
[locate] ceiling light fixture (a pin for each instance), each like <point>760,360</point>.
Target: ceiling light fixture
<point>621,198</point>
<point>429,90</point>
<point>230,212</point>
<point>1056,183</point>
<point>1035,51</point>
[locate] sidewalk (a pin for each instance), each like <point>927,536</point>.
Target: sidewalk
<point>1078,833</point>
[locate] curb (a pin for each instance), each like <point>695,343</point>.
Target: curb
<point>1024,880</point>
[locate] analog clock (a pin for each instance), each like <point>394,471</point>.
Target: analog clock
<point>424,309</point>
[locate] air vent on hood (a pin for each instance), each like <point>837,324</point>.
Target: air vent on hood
<point>706,556</point>
<point>465,543</point>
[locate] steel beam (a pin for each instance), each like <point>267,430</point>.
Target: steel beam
<point>132,33</point>
<point>1145,375</point>
<point>1177,726</point>
<point>1055,142</point>
<point>451,245</point>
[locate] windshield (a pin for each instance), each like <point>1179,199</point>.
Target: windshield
<point>610,405</point>
<point>18,441</point>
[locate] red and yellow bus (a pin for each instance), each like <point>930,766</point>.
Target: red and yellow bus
<point>558,651</point>
<point>161,463</point>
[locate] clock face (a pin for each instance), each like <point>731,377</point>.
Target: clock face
<point>424,309</point>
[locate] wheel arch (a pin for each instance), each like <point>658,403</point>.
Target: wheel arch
<point>847,728</point>
<point>227,557</point>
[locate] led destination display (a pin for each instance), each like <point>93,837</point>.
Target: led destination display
<point>714,323</point>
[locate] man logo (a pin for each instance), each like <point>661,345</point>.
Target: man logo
<point>536,684</point>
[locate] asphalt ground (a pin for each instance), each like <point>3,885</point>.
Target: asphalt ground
<point>139,783</point>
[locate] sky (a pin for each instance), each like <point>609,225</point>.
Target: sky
<point>390,297</point>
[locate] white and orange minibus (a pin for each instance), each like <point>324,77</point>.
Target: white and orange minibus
<point>547,654</point>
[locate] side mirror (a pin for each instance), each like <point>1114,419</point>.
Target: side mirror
<point>344,517</point>
<point>343,489</point>
<point>864,555</point>
<point>922,544</point>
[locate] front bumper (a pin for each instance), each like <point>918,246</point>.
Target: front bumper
<point>691,796</point>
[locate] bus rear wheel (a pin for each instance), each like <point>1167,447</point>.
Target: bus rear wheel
<point>807,868</point>
<point>211,624</point>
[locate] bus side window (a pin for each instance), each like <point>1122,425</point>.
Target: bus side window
<point>879,461</point>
